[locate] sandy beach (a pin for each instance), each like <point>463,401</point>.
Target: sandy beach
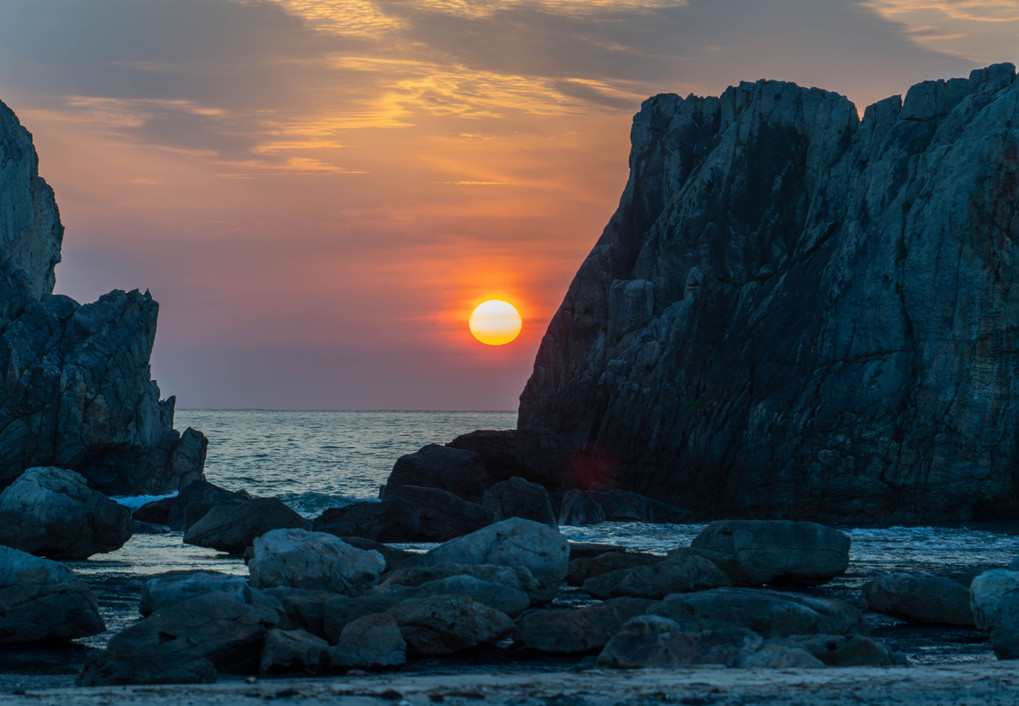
<point>973,683</point>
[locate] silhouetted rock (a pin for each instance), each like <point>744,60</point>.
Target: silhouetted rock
<point>757,552</point>
<point>409,513</point>
<point>77,520</point>
<point>796,313</point>
<point>231,528</point>
<point>42,600</point>
<point>75,387</point>
<point>588,507</point>
<point>455,470</point>
<point>189,505</point>
<point>517,497</point>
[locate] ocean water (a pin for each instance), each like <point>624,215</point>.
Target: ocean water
<point>316,460</point>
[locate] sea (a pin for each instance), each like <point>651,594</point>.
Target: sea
<point>314,460</point>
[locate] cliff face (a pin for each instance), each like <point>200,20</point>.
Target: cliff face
<point>796,313</point>
<point>75,386</point>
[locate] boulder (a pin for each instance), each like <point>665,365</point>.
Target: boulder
<point>176,586</point>
<point>994,598</point>
<point>920,599</point>
<point>503,598</point>
<point>293,651</point>
<point>580,570</point>
<point>314,561</point>
<point>78,521</point>
<point>370,642</point>
<point>441,625</point>
<point>103,668</point>
<point>681,574</point>
<point>535,455</point>
<point>768,613</point>
<point>189,505</point>
<point>218,627</point>
<point>656,642</point>
<point>589,550</point>
<point>846,651</point>
<point>231,528</point>
<point>776,551</point>
<point>407,514</point>
<point>21,530</point>
<point>586,507</point>
<point>42,600</point>
<point>394,556</point>
<point>301,609</point>
<point>517,497</point>
<point>455,470</point>
<point>576,630</point>
<point>516,577</point>
<point>513,542</point>
<point>342,610</point>
<point>761,328</point>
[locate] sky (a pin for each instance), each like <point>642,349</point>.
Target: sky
<point>318,192</point>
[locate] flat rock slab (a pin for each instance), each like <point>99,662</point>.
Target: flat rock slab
<point>923,599</point>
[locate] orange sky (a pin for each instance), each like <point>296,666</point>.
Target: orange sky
<point>318,192</point>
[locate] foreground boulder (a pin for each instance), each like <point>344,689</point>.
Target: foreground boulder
<point>21,530</point>
<point>513,542</point>
<point>761,328</point>
<point>994,597</point>
<point>923,599</point>
<point>177,586</point>
<point>409,513</point>
<point>41,600</point>
<point>653,641</point>
<point>77,520</point>
<point>443,625</point>
<point>680,574</point>
<point>757,552</point>
<point>583,568</point>
<point>576,630</point>
<point>846,651</point>
<point>313,561</point>
<point>370,642</point>
<point>768,613</point>
<point>232,528</point>
<point>293,651</point>
<point>220,628</point>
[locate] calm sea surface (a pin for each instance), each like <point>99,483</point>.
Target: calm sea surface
<point>316,460</point>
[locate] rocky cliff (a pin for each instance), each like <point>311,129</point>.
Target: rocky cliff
<point>795,312</point>
<point>75,386</point>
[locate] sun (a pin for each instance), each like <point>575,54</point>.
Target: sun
<point>495,322</point>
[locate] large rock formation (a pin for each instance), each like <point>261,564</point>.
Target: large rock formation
<point>75,387</point>
<point>798,313</point>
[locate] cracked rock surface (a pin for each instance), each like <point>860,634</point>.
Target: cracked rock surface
<point>797,313</point>
<point>75,386</point>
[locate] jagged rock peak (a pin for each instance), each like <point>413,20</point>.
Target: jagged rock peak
<point>30,229</point>
<point>75,387</point>
<point>798,313</point>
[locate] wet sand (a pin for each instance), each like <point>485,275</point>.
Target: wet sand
<point>976,684</point>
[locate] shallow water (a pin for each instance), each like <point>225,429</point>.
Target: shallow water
<point>315,460</point>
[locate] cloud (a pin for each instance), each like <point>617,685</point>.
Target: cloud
<point>980,31</point>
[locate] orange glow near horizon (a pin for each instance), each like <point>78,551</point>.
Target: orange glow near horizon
<point>495,322</point>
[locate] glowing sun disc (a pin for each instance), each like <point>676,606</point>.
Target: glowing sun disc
<point>495,322</point>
